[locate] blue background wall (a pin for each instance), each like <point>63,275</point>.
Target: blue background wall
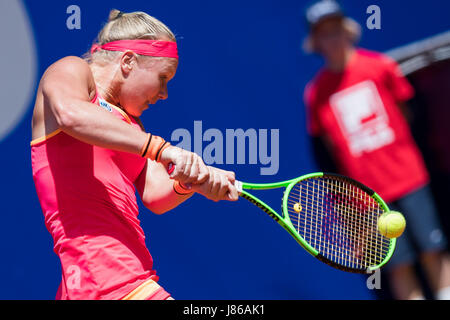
<point>241,66</point>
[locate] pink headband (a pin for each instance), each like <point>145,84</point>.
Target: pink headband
<point>154,48</point>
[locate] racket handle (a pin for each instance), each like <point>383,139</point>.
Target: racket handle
<point>238,185</point>
<point>170,168</point>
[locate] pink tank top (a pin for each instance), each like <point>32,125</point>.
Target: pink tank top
<point>88,198</point>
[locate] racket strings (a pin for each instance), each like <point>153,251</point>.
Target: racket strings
<point>374,253</point>
<point>339,220</point>
<point>360,242</point>
<point>362,223</point>
<point>314,230</point>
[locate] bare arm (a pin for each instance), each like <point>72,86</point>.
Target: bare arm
<point>156,188</point>
<point>65,89</point>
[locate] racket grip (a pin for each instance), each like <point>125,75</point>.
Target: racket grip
<point>238,185</point>
<point>170,168</point>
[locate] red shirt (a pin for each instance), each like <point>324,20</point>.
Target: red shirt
<point>88,198</point>
<point>357,111</point>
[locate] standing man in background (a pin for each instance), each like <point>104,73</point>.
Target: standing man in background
<point>355,107</point>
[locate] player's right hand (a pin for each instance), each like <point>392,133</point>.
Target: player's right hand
<point>219,185</point>
<point>188,167</point>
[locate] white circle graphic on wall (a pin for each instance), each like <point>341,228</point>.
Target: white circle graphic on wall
<point>18,64</point>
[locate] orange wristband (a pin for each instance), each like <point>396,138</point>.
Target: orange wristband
<point>154,147</point>
<point>180,189</point>
<point>146,144</point>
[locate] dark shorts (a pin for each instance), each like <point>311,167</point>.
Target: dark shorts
<point>423,231</point>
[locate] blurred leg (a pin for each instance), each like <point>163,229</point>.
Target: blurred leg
<point>403,280</point>
<point>404,283</point>
<point>437,268</point>
<point>425,231</point>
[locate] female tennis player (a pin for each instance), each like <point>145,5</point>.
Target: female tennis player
<point>90,153</point>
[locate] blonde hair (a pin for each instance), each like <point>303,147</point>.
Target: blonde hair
<point>129,26</point>
<point>348,24</point>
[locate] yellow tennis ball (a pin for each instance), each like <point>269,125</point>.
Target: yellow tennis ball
<point>391,224</point>
<point>297,207</point>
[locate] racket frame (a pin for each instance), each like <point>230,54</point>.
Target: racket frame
<point>285,222</point>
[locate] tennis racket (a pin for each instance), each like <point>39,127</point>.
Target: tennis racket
<point>332,217</point>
